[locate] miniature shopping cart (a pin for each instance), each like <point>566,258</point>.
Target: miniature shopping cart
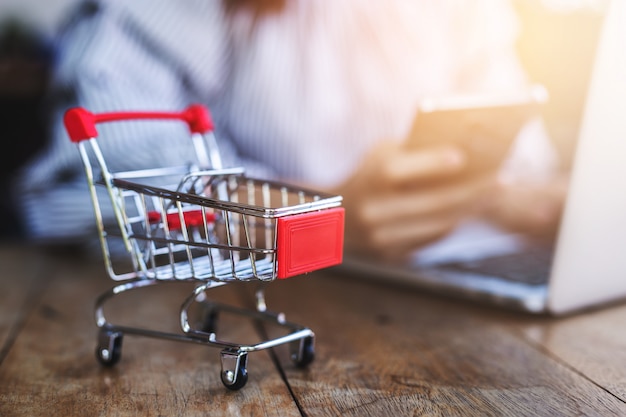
<point>206,224</point>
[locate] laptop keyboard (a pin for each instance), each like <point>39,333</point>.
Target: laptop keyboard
<point>531,266</point>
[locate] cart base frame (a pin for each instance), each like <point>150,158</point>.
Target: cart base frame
<point>234,356</point>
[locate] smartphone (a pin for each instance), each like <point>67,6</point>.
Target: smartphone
<point>484,127</point>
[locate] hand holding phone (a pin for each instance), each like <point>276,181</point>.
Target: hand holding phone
<point>484,127</point>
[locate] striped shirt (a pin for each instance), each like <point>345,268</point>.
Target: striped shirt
<point>300,95</point>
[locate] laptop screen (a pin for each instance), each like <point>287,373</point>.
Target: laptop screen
<point>590,264</point>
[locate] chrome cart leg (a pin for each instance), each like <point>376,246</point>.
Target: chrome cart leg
<point>109,347</point>
<point>261,306</point>
<point>260,298</point>
<point>234,372</point>
<point>303,349</point>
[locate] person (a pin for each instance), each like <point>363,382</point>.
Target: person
<point>315,93</point>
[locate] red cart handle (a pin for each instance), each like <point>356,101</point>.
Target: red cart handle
<point>81,123</point>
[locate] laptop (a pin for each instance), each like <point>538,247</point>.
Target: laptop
<point>586,267</point>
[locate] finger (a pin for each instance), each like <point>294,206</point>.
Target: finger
<point>408,167</point>
<point>529,209</point>
<point>407,205</point>
<point>400,239</point>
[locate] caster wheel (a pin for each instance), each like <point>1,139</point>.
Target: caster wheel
<point>304,353</point>
<point>209,323</point>
<point>109,349</point>
<point>234,372</point>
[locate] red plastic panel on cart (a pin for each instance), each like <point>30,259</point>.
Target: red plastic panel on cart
<point>192,218</point>
<point>309,241</point>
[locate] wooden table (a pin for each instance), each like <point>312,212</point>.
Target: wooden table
<point>380,351</point>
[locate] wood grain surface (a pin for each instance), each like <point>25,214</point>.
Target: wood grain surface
<point>381,350</point>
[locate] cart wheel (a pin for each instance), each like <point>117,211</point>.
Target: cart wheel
<point>234,373</point>
<point>304,352</point>
<point>209,322</point>
<point>109,350</point>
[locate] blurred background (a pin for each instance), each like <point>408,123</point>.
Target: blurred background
<point>557,43</point>
<point>27,29</point>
